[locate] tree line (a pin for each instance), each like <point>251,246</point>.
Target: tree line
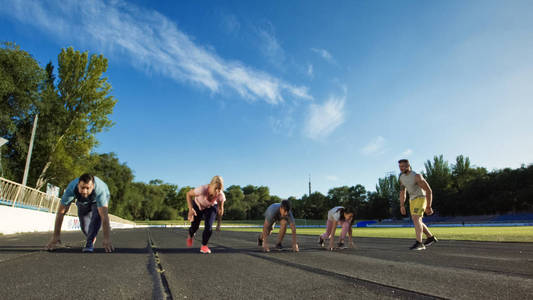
<point>74,104</point>
<point>459,189</point>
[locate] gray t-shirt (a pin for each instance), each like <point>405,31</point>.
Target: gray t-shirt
<point>409,182</point>
<point>272,214</point>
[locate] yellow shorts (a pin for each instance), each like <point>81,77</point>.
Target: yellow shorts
<point>417,206</point>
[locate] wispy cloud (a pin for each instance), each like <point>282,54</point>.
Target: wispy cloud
<point>269,45</point>
<point>310,70</point>
<point>324,54</point>
<point>229,23</point>
<point>152,42</point>
<point>376,146</point>
<point>332,178</point>
<point>323,119</point>
<point>283,124</point>
<point>406,153</point>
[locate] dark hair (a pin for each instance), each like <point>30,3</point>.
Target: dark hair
<point>286,205</point>
<point>340,210</point>
<point>87,178</point>
<point>403,160</point>
<point>347,211</point>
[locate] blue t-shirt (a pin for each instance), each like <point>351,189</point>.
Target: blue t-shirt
<point>99,196</point>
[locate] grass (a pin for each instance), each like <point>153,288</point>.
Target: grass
<point>229,222</point>
<point>486,234</point>
<point>185,222</point>
<point>493,234</point>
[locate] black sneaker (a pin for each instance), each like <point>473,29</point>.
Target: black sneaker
<point>418,246</point>
<point>340,245</point>
<point>321,241</point>
<point>430,240</point>
<point>278,246</point>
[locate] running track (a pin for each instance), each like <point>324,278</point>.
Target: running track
<point>154,264</point>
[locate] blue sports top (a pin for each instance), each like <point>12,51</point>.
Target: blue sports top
<point>99,196</point>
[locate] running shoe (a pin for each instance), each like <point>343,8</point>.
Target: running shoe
<point>418,246</point>
<point>340,245</point>
<point>430,240</point>
<point>204,249</point>
<point>89,248</point>
<point>259,241</point>
<point>321,241</point>
<point>189,242</point>
<point>278,246</point>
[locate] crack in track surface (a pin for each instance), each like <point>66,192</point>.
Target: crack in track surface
<point>159,269</point>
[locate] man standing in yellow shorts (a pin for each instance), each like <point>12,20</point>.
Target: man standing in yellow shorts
<point>420,198</point>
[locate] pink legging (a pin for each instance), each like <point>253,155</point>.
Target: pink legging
<point>329,229</point>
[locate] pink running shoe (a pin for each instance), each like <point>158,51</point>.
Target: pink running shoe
<point>205,249</point>
<point>189,242</point>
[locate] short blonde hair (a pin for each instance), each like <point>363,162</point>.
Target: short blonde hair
<point>218,182</point>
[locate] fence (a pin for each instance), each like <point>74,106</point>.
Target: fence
<point>16,195</point>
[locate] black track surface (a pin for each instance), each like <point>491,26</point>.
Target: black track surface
<point>155,264</point>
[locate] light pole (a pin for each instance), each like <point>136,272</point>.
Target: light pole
<point>2,142</point>
<point>28,158</point>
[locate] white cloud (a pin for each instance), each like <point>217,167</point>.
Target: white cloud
<point>406,153</point>
<point>324,54</point>
<point>300,91</point>
<point>332,178</point>
<point>323,119</point>
<point>151,42</point>
<point>376,146</point>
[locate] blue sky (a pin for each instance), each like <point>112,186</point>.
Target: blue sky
<point>268,92</point>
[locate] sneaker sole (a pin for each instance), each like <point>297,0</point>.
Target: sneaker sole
<point>418,249</point>
<point>206,252</point>
<point>431,243</point>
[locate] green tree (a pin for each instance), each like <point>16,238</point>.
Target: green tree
<point>314,206</point>
<point>135,201</point>
<point>235,209</point>
<point>72,115</point>
<point>20,80</point>
<point>297,207</point>
<point>255,201</point>
<point>337,196</point>
<point>118,177</point>
<point>357,200</point>
<point>378,206</point>
<point>439,176</point>
<point>181,201</point>
<point>387,194</point>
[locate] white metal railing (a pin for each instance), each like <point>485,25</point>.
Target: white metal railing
<point>17,195</point>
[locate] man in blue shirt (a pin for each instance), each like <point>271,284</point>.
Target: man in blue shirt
<point>92,197</point>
